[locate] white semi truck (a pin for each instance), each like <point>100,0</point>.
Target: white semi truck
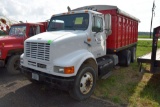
<point>73,53</point>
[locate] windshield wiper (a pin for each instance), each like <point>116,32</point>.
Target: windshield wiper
<point>53,28</point>
<point>70,27</point>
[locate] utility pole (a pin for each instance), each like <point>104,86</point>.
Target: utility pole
<point>152,17</point>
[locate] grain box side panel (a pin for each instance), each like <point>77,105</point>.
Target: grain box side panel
<point>124,31</point>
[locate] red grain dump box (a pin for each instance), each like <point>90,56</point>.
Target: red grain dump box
<point>45,25</point>
<point>124,27</point>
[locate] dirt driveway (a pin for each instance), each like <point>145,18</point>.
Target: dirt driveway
<point>17,91</point>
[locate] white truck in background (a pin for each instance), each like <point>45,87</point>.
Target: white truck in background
<point>73,54</point>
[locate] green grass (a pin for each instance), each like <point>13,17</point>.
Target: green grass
<point>144,36</point>
<point>144,47</point>
<point>127,86</point>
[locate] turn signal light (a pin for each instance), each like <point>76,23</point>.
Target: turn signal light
<point>69,70</point>
<point>86,11</point>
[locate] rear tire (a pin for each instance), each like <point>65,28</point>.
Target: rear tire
<point>125,58</point>
<point>13,64</point>
<point>84,84</point>
<point>133,54</point>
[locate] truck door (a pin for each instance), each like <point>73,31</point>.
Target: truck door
<point>98,36</point>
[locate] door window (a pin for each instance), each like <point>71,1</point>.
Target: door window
<point>33,30</point>
<point>97,24</point>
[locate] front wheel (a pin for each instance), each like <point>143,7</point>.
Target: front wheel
<point>84,84</point>
<point>13,64</point>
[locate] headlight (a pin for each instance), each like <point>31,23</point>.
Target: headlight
<point>59,69</point>
<point>64,70</point>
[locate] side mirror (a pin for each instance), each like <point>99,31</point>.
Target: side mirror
<point>108,24</point>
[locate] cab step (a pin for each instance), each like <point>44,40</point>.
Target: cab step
<point>107,75</point>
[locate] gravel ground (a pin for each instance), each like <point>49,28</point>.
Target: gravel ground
<point>17,91</point>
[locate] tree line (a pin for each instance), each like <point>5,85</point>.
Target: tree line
<point>2,33</point>
<point>144,33</point>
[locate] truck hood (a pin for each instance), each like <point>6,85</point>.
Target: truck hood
<point>8,39</point>
<point>51,36</point>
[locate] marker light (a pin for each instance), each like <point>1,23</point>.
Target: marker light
<point>89,39</point>
<point>86,11</point>
<point>69,70</point>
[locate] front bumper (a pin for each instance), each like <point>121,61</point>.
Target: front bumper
<point>2,63</point>
<point>63,83</point>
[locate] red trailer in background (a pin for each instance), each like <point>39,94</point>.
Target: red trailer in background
<point>152,58</point>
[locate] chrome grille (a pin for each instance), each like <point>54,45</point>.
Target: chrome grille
<point>38,50</point>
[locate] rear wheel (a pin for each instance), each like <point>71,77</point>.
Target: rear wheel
<point>128,57</point>
<point>133,54</point>
<point>125,58</point>
<point>13,64</point>
<point>84,84</point>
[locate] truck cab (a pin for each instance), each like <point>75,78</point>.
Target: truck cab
<point>11,45</point>
<point>72,54</point>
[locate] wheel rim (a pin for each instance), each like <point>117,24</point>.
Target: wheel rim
<point>86,83</point>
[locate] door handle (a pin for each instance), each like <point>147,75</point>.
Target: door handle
<point>98,40</point>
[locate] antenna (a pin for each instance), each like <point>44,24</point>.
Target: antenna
<point>153,12</point>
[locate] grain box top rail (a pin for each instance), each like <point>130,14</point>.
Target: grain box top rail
<point>106,7</point>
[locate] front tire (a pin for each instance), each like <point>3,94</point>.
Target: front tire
<point>84,84</point>
<point>13,64</point>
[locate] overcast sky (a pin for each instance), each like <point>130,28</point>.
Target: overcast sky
<point>41,10</point>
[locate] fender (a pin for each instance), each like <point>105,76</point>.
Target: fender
<point>9,49</point>
<point>75,59</point>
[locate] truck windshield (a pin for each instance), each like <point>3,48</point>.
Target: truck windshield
<point>69,22</point>
<point>17,30</point>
